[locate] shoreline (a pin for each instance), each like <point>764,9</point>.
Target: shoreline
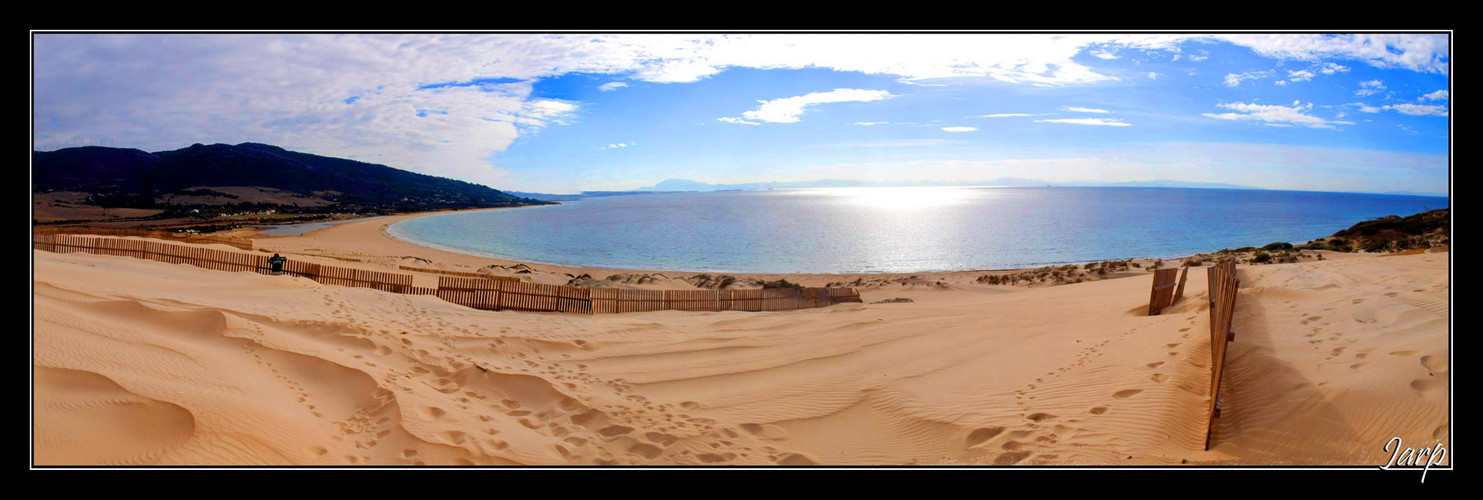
<point>371,239</point>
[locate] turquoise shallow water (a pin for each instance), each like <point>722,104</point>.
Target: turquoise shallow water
<point>838,230</point>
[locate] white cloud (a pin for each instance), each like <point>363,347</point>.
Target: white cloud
<point>1425,53</point>
<point>164,91</point>
<point>1153,76</point>
<point>1235,79</point>
<point>619,145</point>
<point>959,129</point>
<point>788,109</point>
<point>1419,109</point>
<point>1102,54</point>
<point>1302,75</point>
<point>611,86</point>
<point>867,124</point>
<point>1276,115</point>
<point>1440,95</point>
<point>738,121</point>
<point>1084,110</point>
<point>1110,122</point>
<point>1330,68</point>
<point>1003,115</point>
<point>1370,88</point>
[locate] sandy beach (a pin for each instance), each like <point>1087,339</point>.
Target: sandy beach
<point>140,362</point>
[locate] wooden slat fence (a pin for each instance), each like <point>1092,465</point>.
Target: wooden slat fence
<point>1162,294</point>
<point>1223,286</point>
<point>692,300</point>
<point>220,260</point>
<point>492,295</point>
<point>478,291</point>
<point>741,300</point>
<point>1179,291</point>
<point>197,238</point>
<point>615,300</point>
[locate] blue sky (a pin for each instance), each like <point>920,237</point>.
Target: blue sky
<point>566,113</point>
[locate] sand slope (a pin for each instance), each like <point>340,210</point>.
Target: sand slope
<point>140,362</point>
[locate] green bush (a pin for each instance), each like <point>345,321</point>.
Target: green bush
<point>782,283</point>
<point>1278,246</point>
<point>1262,257</point>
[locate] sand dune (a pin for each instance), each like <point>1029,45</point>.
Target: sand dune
<point>140,362</point>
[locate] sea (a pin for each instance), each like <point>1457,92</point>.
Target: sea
<point>899,229</point>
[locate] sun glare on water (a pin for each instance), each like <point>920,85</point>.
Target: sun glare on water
<point>901,198</point>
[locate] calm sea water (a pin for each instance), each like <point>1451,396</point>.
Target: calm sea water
<point>838,230</point>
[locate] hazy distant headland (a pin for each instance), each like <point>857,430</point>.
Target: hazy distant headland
<point>687,185</point>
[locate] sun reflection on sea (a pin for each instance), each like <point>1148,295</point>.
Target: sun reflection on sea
<point>902,198</point>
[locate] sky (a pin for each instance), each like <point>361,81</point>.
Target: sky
<point>563,113</point>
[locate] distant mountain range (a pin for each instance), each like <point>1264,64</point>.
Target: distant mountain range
<point>218,174</point>
<point>583,194</point>
<point>687,185</point>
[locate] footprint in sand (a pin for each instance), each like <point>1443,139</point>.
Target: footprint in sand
<point>1098,410</point>
<point>712,458</point>
<point>1426,386</point>
<point>1160,378</point>
<point>1011,458</point>
<point>614,430</point>
<point>453,437</point>
<point>1128,393</point>
<point>979,436</point>
<point>648,451</point>
<point>661,438</point>
<point>1433,364</point>
<point>796,459</point>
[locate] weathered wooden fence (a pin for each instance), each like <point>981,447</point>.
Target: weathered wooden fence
<point>472,290</point>
<point>1162,294</point>
<point>516,295</point>
<point>1179,291</point>
<point>220,260</point>
<point>1165,292</point>
<point>198,238</point>
<point>1223,285</point>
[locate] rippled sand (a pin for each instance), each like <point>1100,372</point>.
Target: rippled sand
<point>140,362</point>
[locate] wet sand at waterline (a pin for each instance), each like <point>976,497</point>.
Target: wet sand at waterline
<point>141,362</point>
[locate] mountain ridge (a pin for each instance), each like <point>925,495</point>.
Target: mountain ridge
<point>128,177</point>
